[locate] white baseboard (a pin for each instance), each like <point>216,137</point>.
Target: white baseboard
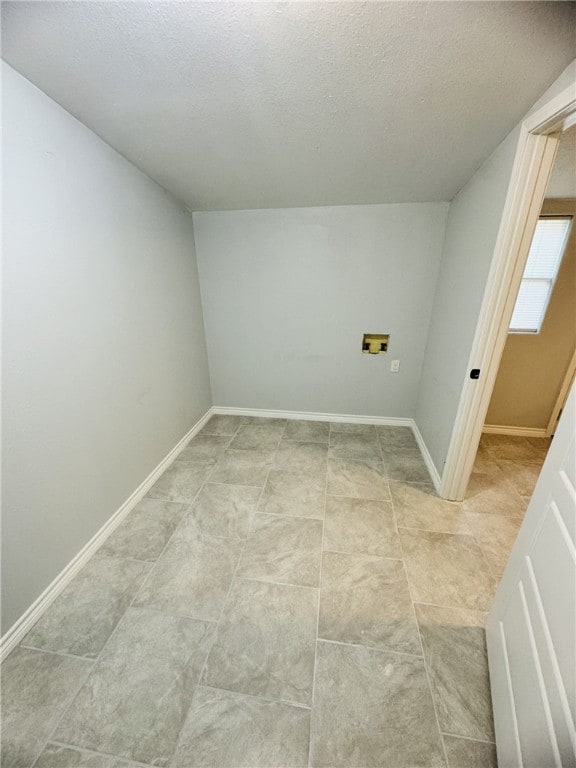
<point>496,429</point>
<point>436,479</point>
<point>17,632</point>
<point>343,418</point>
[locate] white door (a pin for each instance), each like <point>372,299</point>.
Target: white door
<point>531,628</point>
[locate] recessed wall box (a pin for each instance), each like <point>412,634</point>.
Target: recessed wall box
<point>375,343</point>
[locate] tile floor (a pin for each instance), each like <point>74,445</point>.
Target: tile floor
<point>287,594</point>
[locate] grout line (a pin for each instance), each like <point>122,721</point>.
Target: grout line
<point>236,578</point>
<point>418,656</point>
<point>427,671</point>
<point>215,631</point>
<point>42,745</point>
<point>468,738</point>
<point>310,737</point>
<point>188,507</point>
<point>121,619</point>
<point>255,696</point>
<point>358,554</point>
<point>290,517</point>
<point>123,760</point>
<point>215,482</point>
<point>361,498</point>
<point>55,653</point>
<point>274,583</point>
<point>455,607</point>
<point>381,449</point>
<point>434,530</point>
<point>98,554</point>
<point>174,614</point>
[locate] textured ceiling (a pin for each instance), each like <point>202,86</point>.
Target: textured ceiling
<point>563,180</point>
<point>274,104</point>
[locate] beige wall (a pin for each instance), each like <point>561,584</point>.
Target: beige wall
<point>533,366</point>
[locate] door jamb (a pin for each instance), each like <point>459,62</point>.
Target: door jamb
<point>535,153</point>
<point>562,395</point>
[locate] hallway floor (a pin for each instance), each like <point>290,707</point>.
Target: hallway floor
<point>287,594</point>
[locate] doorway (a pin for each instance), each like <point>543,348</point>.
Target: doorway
<point>537,365</point>
<point>536,152</point>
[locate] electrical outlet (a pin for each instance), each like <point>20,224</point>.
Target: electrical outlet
<point>395,366</point>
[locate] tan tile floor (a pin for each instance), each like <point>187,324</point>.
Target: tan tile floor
<point>288,594</point>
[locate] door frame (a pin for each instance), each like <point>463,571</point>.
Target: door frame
<point>562,395</point>
<point>535,154</point>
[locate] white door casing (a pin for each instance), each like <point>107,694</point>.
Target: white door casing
<point>535,155</point>
<point>531,628</point>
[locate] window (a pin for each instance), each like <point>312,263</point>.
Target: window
<point>541,270</point>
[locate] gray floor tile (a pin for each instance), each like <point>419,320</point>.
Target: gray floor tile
<point>455,652</point>
<point>492,495</point>
<point>257,437</point>
<point>265,642</point>
<point>204,448</point>
<point>398,438</point>
<point>368,430</point>
<point>542,445</point>
<point>509,447</point>
<point>134,702</point>
<point>464,753</point>
<point>495,535</point>
<point>408,468</point>
<point>193,576</point>
<point>354,445</point>
<point>307,431</point>
<point>36,689</point>
<point>294,494</point>
<point>365,526</point>
<point>82,618</point>
<point>484,463</point>
<point>306,458</point>
<point>447,569</point>
<point>225,510</point>
<point>58,756</point>
<point>222,425</point>
<point>372,703</point>
<point>372,709</point>
<point>366,600</point>
<point>180,482</point>
<point>242,467</point>
<point>145,532</point>
<point>418,506</point>
<point>363,479</point>
<point>262,421</point>
<point>283,549</point>
<point>522,475</point>
<point>229,730</point>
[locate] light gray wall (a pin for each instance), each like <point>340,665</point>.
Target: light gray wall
<point>473,223</point>
<point>104,357</point>
<point>288,293</point>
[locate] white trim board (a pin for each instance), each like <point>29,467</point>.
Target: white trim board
<point>497,429</point>
<point>18,630</point>
<point>430,466</point>
<point>388,421</point>
<point>343,418</point>
<point>535,153</point>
